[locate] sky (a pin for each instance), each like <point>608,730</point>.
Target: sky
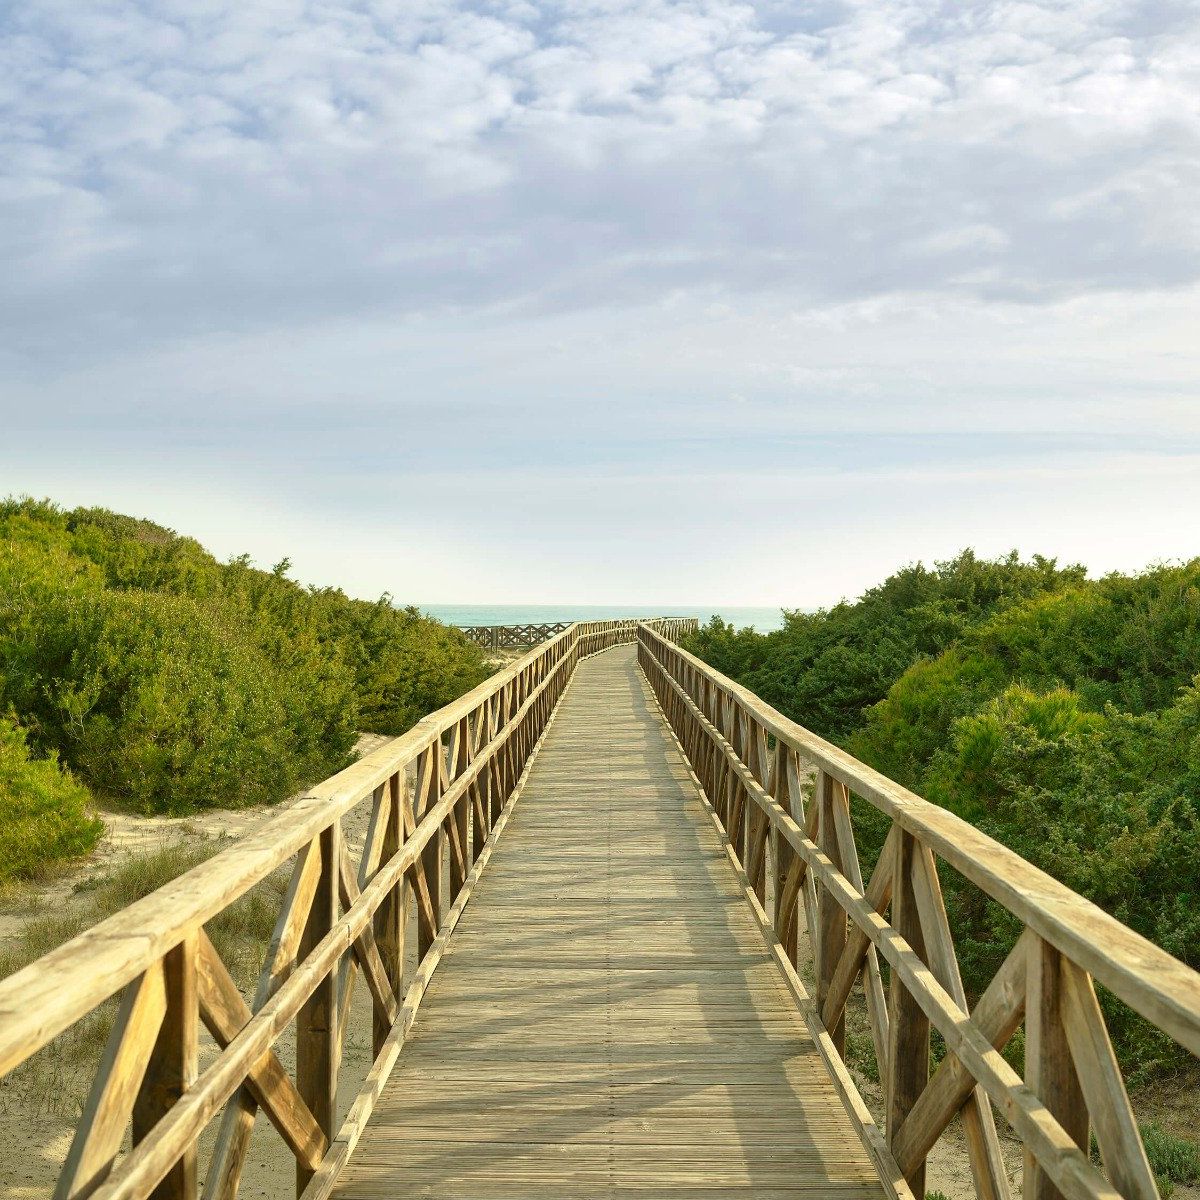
<point>607,301</point>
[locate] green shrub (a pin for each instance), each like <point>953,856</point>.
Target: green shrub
<point>822,669</point>
<point>1172,1159</point>
<point>45,815</point>
<point>169,681</point>
<point>169,705</point>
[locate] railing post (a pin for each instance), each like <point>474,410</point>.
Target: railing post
<point>459,823</point>
<point>316,1023</point>
<point>1049,1067</point>
<point>429,792</point>
<point>831,917</point>
<point>392,918</point>
<point>173,1065</point>
<point>908,1026</point>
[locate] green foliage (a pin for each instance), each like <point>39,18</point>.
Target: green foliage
<point>1059,715</point>
<point>45,814</point>
<point>822,669</point>
<point>169,681</point>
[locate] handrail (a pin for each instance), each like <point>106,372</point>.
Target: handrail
<point>531,633</point>
<point>338,917</point>
<point>749,760</point>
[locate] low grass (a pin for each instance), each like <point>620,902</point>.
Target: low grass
<point>56,1080</point>
<point>1173,1159</point>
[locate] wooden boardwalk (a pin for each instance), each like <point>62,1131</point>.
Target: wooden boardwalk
<point>615,1013</point>
<point>607,1019</point>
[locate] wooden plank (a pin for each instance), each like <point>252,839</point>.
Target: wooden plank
<point>317,1022</point>
<point>237,1121</point>
<point>607,1015</point>
<point>118,1078</point>
<point>832,929</point>
<point>1104,1088</point>
<point>226,1015</point>
<point>173,1065</point>
<point>1049,1068</point>
<point>908,1051</point>
<point>390,920</point>
<point>983,1143</point>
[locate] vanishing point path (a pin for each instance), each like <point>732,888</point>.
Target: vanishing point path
<point>607,1020</point>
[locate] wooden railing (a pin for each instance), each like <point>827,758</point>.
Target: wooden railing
<point>794,844</point>
<point>509,637</point>
<point>438,796</point>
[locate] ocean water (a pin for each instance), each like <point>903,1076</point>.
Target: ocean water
<point>762,619</point>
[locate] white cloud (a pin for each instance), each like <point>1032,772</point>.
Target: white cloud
<point>692,144</point>
<point>288,244</point>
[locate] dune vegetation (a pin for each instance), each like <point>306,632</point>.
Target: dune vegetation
<point>1057,713</point>
<point>138,671</point>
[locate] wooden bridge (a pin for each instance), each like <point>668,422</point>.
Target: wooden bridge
<point>514,637</point>
<point>610,916</point>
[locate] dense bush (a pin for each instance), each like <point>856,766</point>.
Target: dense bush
<point>44,813</point>
<point>1059,715</point>
<point>170,681</point>
<point>822,669</point>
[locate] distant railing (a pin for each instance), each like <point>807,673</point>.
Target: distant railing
<point>511,637</point>
<point>753,765</point>
<point>439,796</point>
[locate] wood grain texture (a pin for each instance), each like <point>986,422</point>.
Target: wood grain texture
<point>606,1017</point>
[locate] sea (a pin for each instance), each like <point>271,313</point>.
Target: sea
<point>761,619</point>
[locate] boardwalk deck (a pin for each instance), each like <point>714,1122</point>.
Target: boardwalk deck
<point>607,1020</point>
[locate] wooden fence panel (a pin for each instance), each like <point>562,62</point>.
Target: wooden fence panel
<point>1072,1080</point>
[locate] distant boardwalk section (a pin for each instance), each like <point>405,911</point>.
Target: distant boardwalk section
<point>512,637</point>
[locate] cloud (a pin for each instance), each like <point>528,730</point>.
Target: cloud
<point>171,169</point>
<point>432,285</point>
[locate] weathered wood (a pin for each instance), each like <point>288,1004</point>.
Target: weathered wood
<point>908,1049</point>
<point>237,1121</point>
<point>173,1065</point>
<point>1049,1069</point>
<point>688,690</point>
<point>366,955</point>
<point>430,882</point>
<point>831,940</point>
<point>225,1015</point>
<point>876,1001</point>
<point>983,1143</point>
<point>390,919</point>
<point>317,1024</point>
<point>1103,1087</point>
<point>1042,1134</point>
<point>997,1016</point>
<point>387,1055</point>
<point>35,1006</point>
<point>606,977</point>
<point>878,895</point>
<point>141,1170</point>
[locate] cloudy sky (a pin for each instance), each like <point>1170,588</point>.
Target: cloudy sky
<point>607,300</point>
